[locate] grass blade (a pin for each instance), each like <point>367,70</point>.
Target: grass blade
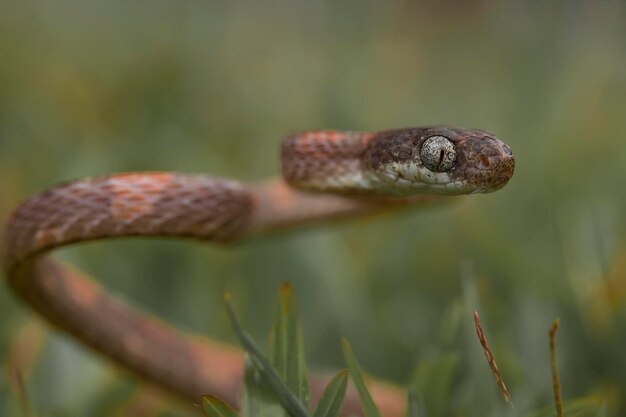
<point>367,403</point>
<point>332,398</point>
<point>17,383</point>
<point>258,399</point>
<point>287,346</point>
<point>214,407</point>
<point>414,405</point>
<point>289,401</point>
<point>580,407</point>
<point>433,379</point>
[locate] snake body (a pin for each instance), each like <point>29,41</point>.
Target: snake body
<point>326,175</point>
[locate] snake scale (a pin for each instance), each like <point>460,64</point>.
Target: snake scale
<point>327,175</point>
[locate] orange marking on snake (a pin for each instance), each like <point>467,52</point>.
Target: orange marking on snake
<point>134,195</point>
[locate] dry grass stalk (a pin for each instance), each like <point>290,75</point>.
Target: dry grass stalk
<point>19,388</point>
<point>556,383</point>
<point>491,361</point>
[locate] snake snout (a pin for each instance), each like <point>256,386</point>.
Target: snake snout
<point>505,170</point>
<point>492,163</point>
<point>505,167</point>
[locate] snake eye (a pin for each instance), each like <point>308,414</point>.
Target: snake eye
<point>438,154</point>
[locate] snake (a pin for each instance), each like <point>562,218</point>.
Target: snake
<point>327,175</point>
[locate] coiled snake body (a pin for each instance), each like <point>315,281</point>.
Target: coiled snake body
<point>326,175</point>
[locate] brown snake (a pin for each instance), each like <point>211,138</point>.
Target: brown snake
<point>326,175</point>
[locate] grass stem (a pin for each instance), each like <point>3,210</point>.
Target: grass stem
<point>491,361</point>
<point>556,383</point>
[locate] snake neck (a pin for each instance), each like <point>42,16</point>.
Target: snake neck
<point>327,160</point>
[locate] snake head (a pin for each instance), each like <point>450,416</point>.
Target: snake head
<point>439,160</point>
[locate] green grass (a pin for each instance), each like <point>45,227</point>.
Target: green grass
<point>280,386</point>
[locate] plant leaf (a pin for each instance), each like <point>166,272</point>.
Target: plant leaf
<point>332,398</point>
<point>433,379</point>
<point>258,400</point>
<point>214,407</point>
<point>415,408</point>
<point>579,407</point>
<point>289,401</point>
<point>287,346</point>
<point>367,403</point>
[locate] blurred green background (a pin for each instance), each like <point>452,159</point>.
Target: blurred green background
<point>91,88</point>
